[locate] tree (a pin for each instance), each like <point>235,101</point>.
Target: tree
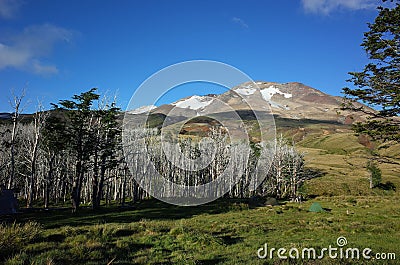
<point>375,174</point>
<point>106,145</point>
<point>54,141</point>
<point>79,131</point>
<point>378,85</point>
<point>33,140</point>
<point>16,105</point>
<point>286,172</point>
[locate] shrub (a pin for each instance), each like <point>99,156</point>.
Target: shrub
<point>375,174</point>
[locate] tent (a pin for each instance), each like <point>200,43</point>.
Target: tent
<point>316,208</point>
<point>8,202</point>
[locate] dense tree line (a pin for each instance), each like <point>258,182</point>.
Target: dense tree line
<point>280,165</point>
<point>74,153</point>
<point>69,153</point>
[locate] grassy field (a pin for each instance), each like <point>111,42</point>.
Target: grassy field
<point>222,232</point>
<point>342,159</point>
<point>229,231</point>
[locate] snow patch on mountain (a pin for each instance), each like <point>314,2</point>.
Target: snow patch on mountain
<point>268,93</point>
<point>245,91</point>
<point>194,102</point>
<point>142,109</point>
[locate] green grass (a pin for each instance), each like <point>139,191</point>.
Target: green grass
<point>15,236</point>
<point>222,232</point>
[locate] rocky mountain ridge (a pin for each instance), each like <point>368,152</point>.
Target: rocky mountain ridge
<point>288,100</point>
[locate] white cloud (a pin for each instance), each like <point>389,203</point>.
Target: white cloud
<point>26,51</point>
<point>39,68</point>
<point>12,56</point>
<point>325,7</point>
<point>240,22</point>
<point>9,8</point>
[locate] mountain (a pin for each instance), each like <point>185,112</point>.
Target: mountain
<point>195,102</point>
<point>142,109</point>
<point>289,100</point>
<point>295,107</point>
<point>5,116</point>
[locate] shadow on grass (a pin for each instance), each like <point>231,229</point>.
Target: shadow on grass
<point>230,240</point>
<point>210,261</point>
<point>57,238</point>
<point>388,185</point>
<point>150,209</point>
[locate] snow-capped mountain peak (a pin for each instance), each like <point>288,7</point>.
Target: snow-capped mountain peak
<point>288,100</point>
<point>142,109</point>
<point>194,102</point>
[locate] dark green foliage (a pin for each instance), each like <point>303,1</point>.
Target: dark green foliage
<point>91,136</point>
<point>54,137</point>
<point>78,117</point>
<point>79,134</point>
<point>376,174</point>
<point>378,85</point>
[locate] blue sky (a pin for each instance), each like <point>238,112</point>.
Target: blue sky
<point>59,48</point>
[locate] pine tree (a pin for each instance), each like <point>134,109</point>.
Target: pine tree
<point>378,85</point>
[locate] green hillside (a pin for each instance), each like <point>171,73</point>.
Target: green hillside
<point>342,159</point>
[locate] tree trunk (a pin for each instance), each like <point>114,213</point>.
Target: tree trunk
<point>47,182</point>
<point>31,191</point>
<point>95,182</point>
<point>13,135</point>
<point>124,186</point>
<point>77,186</point>
<point>103,169</point>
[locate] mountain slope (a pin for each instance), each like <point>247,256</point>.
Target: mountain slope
<point>294,106</point>
<point>289,100</point>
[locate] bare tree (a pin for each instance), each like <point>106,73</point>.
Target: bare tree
<point>15,103</point>
<point>39,119</point>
